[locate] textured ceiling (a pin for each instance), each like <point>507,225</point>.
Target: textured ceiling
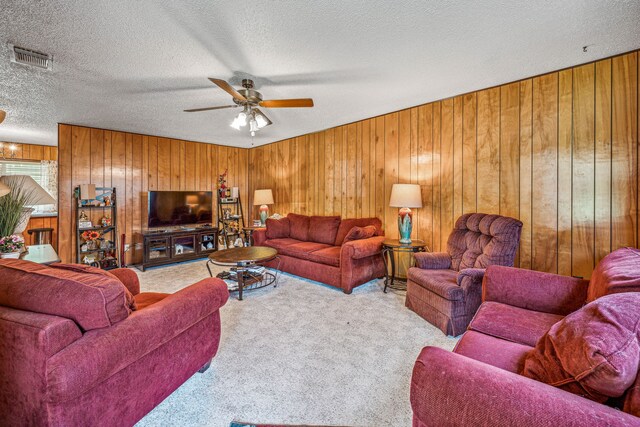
<point>135,65</point>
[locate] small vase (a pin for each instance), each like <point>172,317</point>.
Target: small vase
<point>14,255</point>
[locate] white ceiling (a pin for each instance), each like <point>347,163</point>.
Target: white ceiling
<point>135,65</point>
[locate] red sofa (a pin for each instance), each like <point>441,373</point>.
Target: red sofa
<point>314,247</point>
<point>480,382</point>
<point>81,346</point>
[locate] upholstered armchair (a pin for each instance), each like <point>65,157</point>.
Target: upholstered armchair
<point>445,288</point>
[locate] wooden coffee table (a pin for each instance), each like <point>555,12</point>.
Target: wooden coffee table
<point>243,259</point>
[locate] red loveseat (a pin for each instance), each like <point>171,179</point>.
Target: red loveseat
<point>73,353</point>
<point>481,383</point>
<point>314,247</point>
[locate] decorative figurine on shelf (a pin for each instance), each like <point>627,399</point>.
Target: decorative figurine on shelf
<point>83,220</point>
<point>105,221</point>
<point>107,201</point>
<point>222,184</point>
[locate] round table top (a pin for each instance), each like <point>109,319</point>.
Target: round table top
<point>395,243</point>
<point>234,256</point>
<point>259,227</point>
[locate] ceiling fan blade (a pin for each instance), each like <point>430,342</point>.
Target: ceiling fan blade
<point>287,103</point>
<point>194,110</point>
<point>227,88</point>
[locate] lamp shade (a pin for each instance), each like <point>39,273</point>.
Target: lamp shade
<point>405,196</point>
<point>4,190</point>
<point>36,195</point>
<point>263,197</point>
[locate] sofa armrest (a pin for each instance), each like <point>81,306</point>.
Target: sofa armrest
<point>259,236</point>
<point>129,278</point>
<point>116,347</point>
<point>534,290</point>
<point>358,249</point>
<point>454,390</point>
<point>433,260</point>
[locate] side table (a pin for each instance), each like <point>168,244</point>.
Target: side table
<point>389,249</point>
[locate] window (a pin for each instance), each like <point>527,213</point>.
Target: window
<point>45,173</point>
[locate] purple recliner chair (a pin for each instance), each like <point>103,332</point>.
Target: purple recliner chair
<point>445,288</point>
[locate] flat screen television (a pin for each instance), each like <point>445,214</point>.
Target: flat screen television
<point>172,208</point>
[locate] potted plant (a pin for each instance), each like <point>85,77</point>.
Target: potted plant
<point>12,206</point>
<point>11,246</point>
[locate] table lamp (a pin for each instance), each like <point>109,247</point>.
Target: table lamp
<point>32,194</point>
<point>263,198</point>
<point>405,196</point>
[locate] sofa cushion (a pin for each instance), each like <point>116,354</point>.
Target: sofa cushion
<point>83,268</point>
<point>145,299</point>
<point>511,323</point>
<point>91,300</point>
<point>277,228</point>
<point>593,352</point>
<point>347,224</point>
<point>441,282</point>
<point>617,272</point>
<point>279,244</point>
<point>301,250</point>
<point>299,227</point>
<point>323,229</point>
<point>327,256</point>
<point>359,233</point>
<point>502,354</point>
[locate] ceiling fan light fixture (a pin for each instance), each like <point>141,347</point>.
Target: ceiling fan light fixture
<point>235,124</point>
<point>242,118</point>
<point>253,126</point>
<point>261,121</point>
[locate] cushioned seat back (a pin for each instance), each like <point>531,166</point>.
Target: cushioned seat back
<point>298,227</point>
<point>323,229</point>
<point>617,272</point>
<point>91,299</point>
<point>479,240</point>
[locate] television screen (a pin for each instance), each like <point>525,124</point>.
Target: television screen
<point>171,208</point>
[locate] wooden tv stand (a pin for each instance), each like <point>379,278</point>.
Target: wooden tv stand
<point>171,245</point>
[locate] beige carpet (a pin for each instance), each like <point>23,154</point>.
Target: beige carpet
<point>301,353</point>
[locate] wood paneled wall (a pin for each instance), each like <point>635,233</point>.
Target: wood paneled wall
<point>38,152</point>
<point>558,151</point>
<point>135,164</point>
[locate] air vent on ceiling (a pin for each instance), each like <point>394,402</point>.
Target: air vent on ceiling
<point>20,55</point>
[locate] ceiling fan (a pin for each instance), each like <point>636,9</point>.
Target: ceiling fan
<point>250,99</point>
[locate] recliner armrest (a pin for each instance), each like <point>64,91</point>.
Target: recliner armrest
<point>534,290</point>
<point>433,260</point>
<point>454,390</point>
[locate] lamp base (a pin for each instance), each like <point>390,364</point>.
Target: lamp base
<point>264,214</point>
<point>405,225</point>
